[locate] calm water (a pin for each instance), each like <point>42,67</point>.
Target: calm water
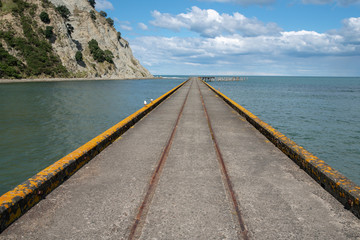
<point>42,122</point>
<point>318,113</point>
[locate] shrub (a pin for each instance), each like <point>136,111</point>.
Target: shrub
<point>118,36</point>
<point>20,6</point>
<point>64,11</point>
<point>46,3</point>
<point>93,44</point>
<point>98,54</point>
<point>79,56</point>
<point>110,21</point>
<point>70,28</point>
<point>49,32</point>
<point>45,17</point>
<point>92,15</point>
<point>109,56</point>
<point>92,3</point>
<point>33,10</point>
<point>103,14</point>
<point>9,65</point>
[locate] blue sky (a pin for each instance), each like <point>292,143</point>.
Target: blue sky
<point>241,37</point>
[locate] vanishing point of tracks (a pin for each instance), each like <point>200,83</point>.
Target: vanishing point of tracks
<point>136,229</point>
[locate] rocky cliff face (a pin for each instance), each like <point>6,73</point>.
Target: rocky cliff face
<point>72,35</point>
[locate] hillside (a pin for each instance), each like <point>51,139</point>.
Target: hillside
<point>56,38</point>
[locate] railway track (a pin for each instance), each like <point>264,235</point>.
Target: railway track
<point>140,218</point>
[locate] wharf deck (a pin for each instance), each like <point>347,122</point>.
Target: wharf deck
<point>193,168</point>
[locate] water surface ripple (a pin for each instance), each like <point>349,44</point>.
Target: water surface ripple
<point>42,122</point>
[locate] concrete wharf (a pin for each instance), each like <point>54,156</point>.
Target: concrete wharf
<point>192,168</point>
<point>223,79</point>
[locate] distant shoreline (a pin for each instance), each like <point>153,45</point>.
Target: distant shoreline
<point>68,79</point>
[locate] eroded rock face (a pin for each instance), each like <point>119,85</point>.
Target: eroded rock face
<point>66,44</point>
<point>85,29</point>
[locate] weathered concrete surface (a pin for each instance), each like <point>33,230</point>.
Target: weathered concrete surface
<point>278,200</point>
<point>190,201</point>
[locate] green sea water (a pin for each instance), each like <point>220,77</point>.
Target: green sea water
<point>42,122</point>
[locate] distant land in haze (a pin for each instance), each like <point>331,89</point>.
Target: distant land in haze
<point>62,39</point>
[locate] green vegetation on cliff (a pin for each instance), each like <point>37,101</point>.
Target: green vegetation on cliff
<point>92,3</point>
<point>78,56</point>
<point>45,17</point>
<point>64,11</point>
<point>35,56</point>
<point>10,66</point>
<point>98,54</point>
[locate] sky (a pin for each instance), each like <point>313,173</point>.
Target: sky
<point>241,37</point>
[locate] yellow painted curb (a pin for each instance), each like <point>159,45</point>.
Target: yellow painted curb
<point>16,202</point>
<point>343,189</point>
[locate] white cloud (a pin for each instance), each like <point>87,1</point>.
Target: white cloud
<point>292,52</point>
<point>143,26</point>
<point>104,5</point>
<point>297,44</point>
<point>269,2</point>
<point>209,23</point>
<point>317,1</point>
<point>244,2</point>
<point>167,21</point>
<point>351,30</point>
<point>338,2</point>
<point>124,25</point>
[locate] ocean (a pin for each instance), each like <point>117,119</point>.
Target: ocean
<point>42,122</point>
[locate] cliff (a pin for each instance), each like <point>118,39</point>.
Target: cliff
<point>62,38</point>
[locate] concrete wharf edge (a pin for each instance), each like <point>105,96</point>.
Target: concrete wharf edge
<point>22,198</point>
<point>339,186</point>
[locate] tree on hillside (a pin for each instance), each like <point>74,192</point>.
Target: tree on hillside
<point>102,13</point>
<point>92,3</point>
<point>92,15</point>
<point>70,29</point>
<point>78,56</point>
<point>64,11</point>
<point>109,56</point>
<point>110,21</point>
<point>98,54</point>
<point>96,51</point>
<point>49,32</point>
<point>44,17</point>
